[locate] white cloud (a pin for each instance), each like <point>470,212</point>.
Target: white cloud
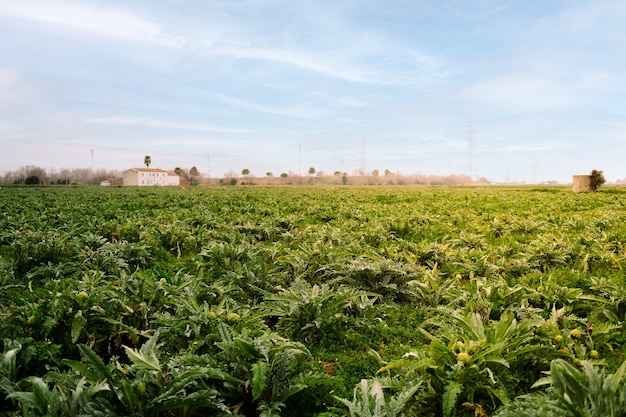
<point>89,18</point>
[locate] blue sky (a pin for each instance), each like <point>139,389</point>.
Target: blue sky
<point>536,87</point>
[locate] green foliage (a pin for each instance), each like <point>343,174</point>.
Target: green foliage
<point>271,301</point>
<point>32,180</point>
<point>369,399</point>
<point>309,312</point>
<point>597,179</point>
<point>471,360</point>
<point>579,392</point>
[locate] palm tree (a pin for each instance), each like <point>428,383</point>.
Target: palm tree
<point>147,160</point>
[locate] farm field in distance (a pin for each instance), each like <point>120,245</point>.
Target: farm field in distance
<point>312,301</point>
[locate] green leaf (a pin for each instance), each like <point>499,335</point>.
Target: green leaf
<point>144,361</point>
<point>270,409</point>
<point>78,324</point>
<point>127,393</point>
<point>260,374</point>
<point>450,397</point>
<point>291,390</point>
<point>78,397</point>
<point>247,348</point>
<point>27,398</point>
<point>82,369</point>
<point>399,401</point>
<point>97,363</point>
<point>177,401</point>
<point>618,377</point>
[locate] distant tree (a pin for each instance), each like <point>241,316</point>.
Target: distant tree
<point>32,180</point>
<point>245,172</point>
<point>597,179</point>
<point>375,173</point>
<point>269,174</point>
<point>233,181</point>
<point>193,176</point>
<point>388,173</point>
<point>230,174</point>
<point>147,160</point>
<point>312,171</point>
<point>182,174</point>
<point>30,171</point>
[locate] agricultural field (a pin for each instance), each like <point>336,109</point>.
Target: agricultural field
<point>312,301</point>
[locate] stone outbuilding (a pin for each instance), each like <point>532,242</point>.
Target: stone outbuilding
<point>582,184</point>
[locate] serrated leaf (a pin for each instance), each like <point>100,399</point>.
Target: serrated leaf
<point>78,397</point>
<point>450,396</point>
<point>398,402</point>
<point>144,361</point>
<point>199,399</point>
<point>260,375</point>
<point>96,362</point>
<point>78,324</point>
<point>246,348</point>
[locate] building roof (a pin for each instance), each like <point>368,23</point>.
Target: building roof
<point>146,170</point>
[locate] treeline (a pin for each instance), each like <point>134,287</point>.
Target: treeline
<point>31,174</point>
<point>342,178</point>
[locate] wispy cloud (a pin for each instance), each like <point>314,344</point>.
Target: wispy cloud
<point>475,9</point>
<point>154,123</point>
<point>348,61</point>
<point>89,18</point>
<point>297,111</point>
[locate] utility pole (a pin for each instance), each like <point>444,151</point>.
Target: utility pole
<point>470,152</point>
<point>363,161</point>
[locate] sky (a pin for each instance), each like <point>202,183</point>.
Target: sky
<point>516,91</point>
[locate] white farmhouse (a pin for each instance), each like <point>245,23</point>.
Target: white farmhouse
<point>150,177</point>
<point>172,178</point>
